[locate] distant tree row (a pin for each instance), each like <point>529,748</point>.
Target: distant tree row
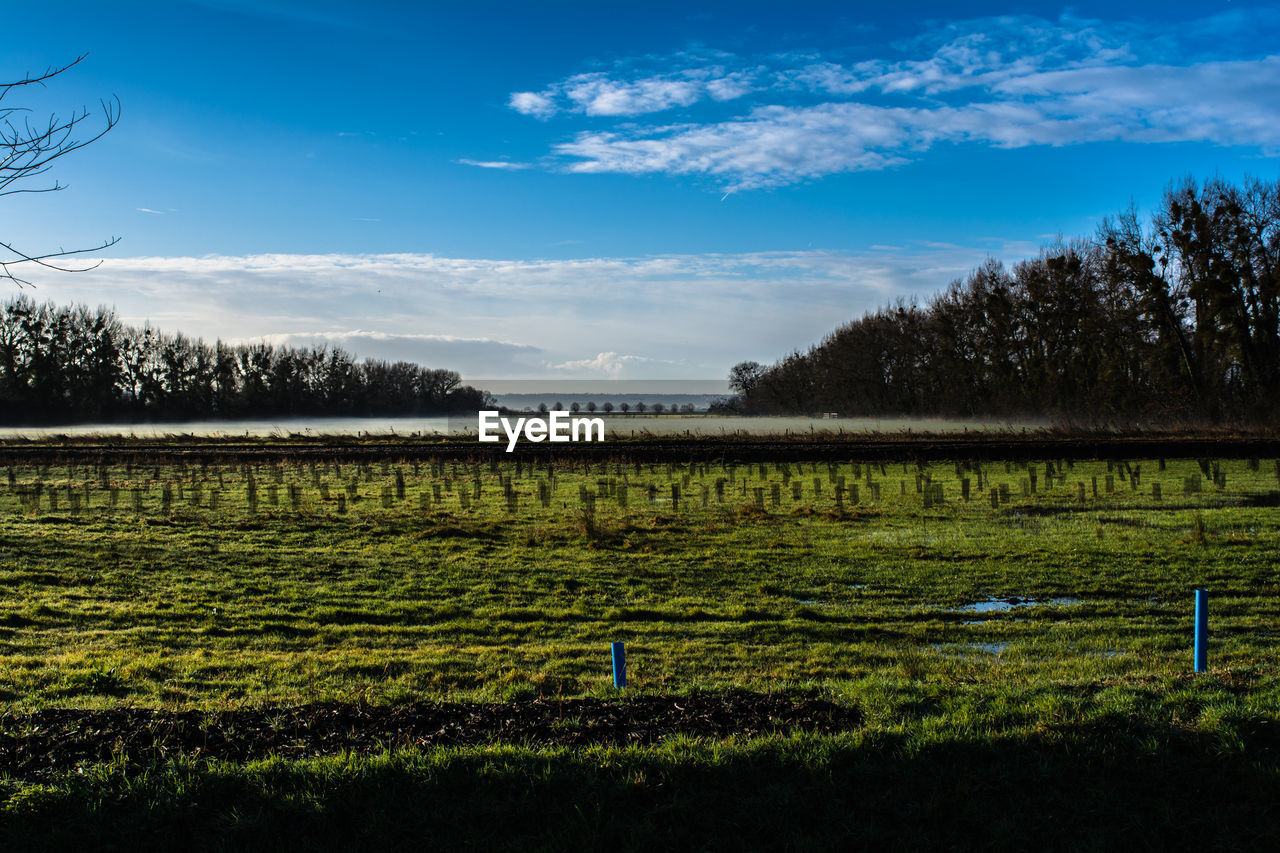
<point>73,364</point>
<point>1177,319</point>
<point>657,408</point>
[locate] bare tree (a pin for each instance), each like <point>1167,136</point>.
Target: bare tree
<point>745,375</point>
<point>27,151</point>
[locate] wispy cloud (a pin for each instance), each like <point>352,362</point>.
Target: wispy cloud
<point>494,164</point>
<point>770,146</point>
<point>600,94</point>
<point>1005,82</point>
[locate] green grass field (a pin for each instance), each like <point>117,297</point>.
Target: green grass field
<point>1022,665</point>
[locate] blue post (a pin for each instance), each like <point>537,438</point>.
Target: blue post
<point>619,666</point>
<point>1202,630</point>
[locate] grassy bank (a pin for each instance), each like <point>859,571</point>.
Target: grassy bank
<point>1133,787</point>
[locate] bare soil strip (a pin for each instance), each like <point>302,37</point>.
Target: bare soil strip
<point>62,739</point>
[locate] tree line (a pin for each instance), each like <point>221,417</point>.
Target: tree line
<point>1174,319</point>
<point>65,364</point>
<point>640,407</point>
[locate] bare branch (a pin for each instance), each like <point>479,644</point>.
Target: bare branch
<point>49,73</point>
<point>28,150</point>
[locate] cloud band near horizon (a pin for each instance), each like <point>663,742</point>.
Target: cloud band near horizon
<point>673,316</point>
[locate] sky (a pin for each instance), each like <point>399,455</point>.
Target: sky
<point>598,190</point>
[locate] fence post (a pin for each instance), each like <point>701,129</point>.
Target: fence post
<point>1202,630</point>
<point>619,666</point>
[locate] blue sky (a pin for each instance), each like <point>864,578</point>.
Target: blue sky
<point>600,190</point>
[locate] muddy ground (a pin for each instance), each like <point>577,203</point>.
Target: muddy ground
<point>51,740</point>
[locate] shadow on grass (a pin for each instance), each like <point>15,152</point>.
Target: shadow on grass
<point>1109,788</point>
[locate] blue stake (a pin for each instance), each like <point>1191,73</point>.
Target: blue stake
<point>619,666</point>
<point>1202,630</point>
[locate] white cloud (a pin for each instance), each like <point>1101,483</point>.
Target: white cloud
<point>1004,82</point>
<point>728,87</point>
<point>599,94</point>
<point>1224,103</point>
<point>532,104</point>
<point>831,78</point>
<point>772,145</point>
<point>609,364</point>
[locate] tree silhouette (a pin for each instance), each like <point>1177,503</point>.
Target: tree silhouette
<point>744,376</point>
<point>67,364</point>
<point>1179,320</point>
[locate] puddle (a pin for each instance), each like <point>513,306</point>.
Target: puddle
<point>1000,605</point>
<point>857,586</point>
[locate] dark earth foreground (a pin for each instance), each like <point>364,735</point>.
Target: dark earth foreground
<point>60,739</point>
